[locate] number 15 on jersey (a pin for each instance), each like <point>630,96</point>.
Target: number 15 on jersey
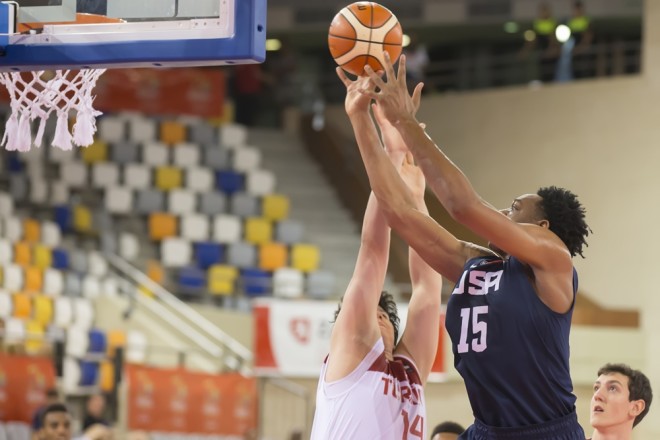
<point>473,317</point>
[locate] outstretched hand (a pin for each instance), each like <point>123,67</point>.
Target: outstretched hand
<point>394,101</point>
<point>356,101</point>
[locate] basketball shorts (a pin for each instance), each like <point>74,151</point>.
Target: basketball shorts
<point>565,428</point>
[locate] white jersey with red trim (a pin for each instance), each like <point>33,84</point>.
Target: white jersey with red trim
<point>380,399</point>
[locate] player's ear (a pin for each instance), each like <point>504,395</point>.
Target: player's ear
<point>544,224</point>
<point>637,407</point>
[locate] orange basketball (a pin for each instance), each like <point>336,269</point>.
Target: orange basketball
<point>361,33</point>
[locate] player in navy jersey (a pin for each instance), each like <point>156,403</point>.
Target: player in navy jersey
<point>509,316</point>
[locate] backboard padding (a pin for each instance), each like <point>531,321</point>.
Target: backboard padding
<point>237,35</point>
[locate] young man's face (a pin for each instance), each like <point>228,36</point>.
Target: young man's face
<point>57,426</point>
<point>610,404</point>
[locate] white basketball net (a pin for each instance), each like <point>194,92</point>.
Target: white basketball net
<point>34,97</point>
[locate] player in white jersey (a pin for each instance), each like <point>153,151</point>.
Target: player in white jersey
<point>370,386</point>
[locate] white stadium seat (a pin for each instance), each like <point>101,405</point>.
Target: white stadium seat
<point>181,201</point>
<point>175,252</point>
<point>53,284</point>
<point>73,174</point>
<point>137,176</point>
<point>119,200</point>
<point>195,227</point>
<point>227,228</point>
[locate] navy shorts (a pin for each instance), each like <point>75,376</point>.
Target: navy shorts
<point>566,428</point>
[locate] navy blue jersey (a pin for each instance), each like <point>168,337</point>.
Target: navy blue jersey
<point>511,349</point>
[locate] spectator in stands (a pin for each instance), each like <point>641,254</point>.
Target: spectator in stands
<point>544,43</point>
<point>57,426</point>
<point>51,398</point>
<point>582,37</point>
<point>447,431</point>
<point>94,411</point>
<point>622,398</point>
<point>55,423</point>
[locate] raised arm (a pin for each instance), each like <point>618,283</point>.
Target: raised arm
<point>356,328</point>
<point>532,244</point>
<point>435,245</point>
<point>420,338</point>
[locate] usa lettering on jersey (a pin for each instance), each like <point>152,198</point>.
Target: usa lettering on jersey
<point>479,282</point>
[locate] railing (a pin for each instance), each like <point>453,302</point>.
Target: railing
<point>483,68</point>
<point>196,328</point>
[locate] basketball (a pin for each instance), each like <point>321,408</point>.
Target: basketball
<point>361,33</point>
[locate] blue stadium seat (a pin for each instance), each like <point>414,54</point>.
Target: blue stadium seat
<point>256,282</point>
<point>207,254</point>
<point>60,259</point>
<point>229,181</point>
<point>89,373</point>
<point>98,342</point>
<point>192,280</point>
<point>64,217</point>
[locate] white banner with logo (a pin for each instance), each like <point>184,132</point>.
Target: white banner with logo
<point>292,338</point>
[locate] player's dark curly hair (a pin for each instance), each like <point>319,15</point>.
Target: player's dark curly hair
<point>387,303</point>
<point>639,386</point>
<point>566,216</point>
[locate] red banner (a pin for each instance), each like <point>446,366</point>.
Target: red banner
<point>193,91</point>
<point>176,400</point>
<point>181,91</point>
<point>23,384</point>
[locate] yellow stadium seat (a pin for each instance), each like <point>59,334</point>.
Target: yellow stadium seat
<point>106,376</point>
<point>116,339</point>
<point>31,230</point>
<point>162,225</point>
<point>22,254</point>
<point>276,207</point>
<point>222,279</point>
<point>35,337</point>
<point>168,178</point>
<point>272,256</point>
<point>22,305</point>
<point>34,278</point>
<point>43,256</point>
<point>258,230</point>
<point>82,219</point>
<point>305,257</point>
<point>172,132</point>
<point>97,152</point>
<point>43,310</point>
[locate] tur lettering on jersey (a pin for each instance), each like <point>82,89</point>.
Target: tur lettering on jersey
<point>403,392</point>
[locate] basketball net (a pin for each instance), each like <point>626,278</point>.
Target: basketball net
<point>35,97</point>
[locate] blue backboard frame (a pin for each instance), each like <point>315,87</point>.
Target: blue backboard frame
<point>247,44</point>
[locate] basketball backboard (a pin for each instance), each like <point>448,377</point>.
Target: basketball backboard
<point>50,34</point>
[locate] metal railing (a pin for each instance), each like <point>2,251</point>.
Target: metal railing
<point>191,324</point>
